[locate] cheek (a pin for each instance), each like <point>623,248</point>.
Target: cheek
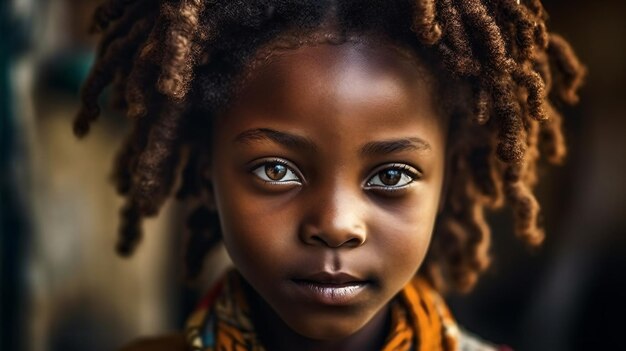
<point>406,249</point>
<point>402,234</point>
<point>256,235</point>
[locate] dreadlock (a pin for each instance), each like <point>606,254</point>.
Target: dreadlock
<point>171,63</point>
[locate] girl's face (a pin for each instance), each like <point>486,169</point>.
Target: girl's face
<point>327,171</point>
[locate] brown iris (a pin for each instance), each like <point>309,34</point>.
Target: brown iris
<point>390,176</point>
<point>275,171</point>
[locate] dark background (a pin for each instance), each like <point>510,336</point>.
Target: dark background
<point>63,288</point>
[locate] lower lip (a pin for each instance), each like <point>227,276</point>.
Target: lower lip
<point>330,294</point>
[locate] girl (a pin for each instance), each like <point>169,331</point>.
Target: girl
<point>343,151</point>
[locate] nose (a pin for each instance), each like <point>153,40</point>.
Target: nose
<point>335,219</point>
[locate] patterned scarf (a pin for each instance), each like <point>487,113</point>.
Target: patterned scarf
<point>420,320</point>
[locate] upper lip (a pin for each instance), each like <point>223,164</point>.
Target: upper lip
<point>330,278</point>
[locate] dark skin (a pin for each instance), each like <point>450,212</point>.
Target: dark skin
<point>327,170</point>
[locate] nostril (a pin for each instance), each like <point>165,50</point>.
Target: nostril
<point>351,242</point>
<point>333,235</point>
<point>354,242</point>
<point>318,240</point>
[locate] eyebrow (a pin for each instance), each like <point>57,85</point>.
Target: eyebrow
<point>299,142</point>
<point>286,139</point>
<point>395,145</point>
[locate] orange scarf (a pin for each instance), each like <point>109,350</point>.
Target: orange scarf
<point>420,320</point>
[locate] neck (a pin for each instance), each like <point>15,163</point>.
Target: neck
<point>277,336</point>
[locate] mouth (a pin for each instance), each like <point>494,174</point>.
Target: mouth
<point>331,288</point>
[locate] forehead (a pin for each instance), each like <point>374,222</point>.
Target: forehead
<point>354,63</point>
<point>365,84</point>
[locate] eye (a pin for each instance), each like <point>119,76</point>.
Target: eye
<point>276,171</point>
<point>393,176</point>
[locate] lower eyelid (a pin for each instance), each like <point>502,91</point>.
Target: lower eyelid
<point>390,191</point>
<point>285,183</point>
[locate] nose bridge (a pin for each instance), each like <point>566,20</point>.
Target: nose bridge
<point>337,216</point>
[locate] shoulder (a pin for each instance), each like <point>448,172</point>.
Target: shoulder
<point>169,342</point>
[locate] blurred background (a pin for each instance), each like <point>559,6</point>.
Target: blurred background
<point>63,288</point>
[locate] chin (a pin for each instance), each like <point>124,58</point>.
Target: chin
<point>327,328</point>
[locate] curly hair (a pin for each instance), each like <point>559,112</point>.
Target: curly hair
<point>172,63</point>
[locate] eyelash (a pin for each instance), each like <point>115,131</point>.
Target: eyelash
<point>408,174</point>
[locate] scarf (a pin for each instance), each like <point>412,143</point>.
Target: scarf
<point>420,320</point>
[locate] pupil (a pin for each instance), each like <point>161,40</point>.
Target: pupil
<point>390,176</point>
<point>275,171</point>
